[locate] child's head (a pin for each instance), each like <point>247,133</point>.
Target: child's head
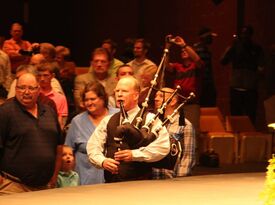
<point>67,159</point>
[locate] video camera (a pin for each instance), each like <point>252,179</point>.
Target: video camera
<point>35,50</point>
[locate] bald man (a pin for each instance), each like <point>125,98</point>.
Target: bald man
<point>126,164</point>
<point>30,140</point>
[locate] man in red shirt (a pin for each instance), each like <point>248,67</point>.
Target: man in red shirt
<point>187,74</point>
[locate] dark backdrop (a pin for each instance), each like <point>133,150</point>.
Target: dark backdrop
<point>82,25</point>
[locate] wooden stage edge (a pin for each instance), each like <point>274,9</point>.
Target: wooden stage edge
<point>220,189</point>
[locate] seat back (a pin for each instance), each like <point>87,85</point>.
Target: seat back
<point>211,123</point>
<point>226,147</point>
<point>81,70</point>
<point>214,137</point>
<point>212,111</point>
<point>239,124</point>
<point>253,148</point>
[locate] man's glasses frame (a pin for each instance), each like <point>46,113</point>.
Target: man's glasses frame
<point>25,88</point>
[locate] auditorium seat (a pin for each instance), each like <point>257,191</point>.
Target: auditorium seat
<point>212,111</point>
<point>214,137</point>
<point>239,124</point>
<point>253,146</point>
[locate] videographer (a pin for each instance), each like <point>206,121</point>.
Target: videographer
<point>247,59</point>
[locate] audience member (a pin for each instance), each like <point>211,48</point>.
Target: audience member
<point>15,45</point>
<point>66,65</point>
<point>30,140</point>
<point>67,74</point>
<point>145,83</point>
<point>178,131</point>
<point>111,46</point>
<point>49,53</point>
<point>141,63</point>
<point>124,71</point>
<point>45,74</point>
<point>38,59</point>
<point>127,50</point>
<point>187,74</point>
<point>67,176</point>
<point>100,62</point>
<point>82,126</point>
<point>208,94</point>
<point>246,58</point>
<point>125,164</point>
<point>5,72</point>
<point>22,69</point>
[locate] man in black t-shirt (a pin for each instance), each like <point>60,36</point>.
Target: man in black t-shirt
<point>30,140</point>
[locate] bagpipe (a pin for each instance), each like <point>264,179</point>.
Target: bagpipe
<point>140,134</point>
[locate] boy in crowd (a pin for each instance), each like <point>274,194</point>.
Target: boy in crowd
<point>67,176</point>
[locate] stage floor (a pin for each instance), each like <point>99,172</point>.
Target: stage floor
<point>222,189</point>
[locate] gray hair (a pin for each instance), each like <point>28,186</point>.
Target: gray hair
<point>28,68</point>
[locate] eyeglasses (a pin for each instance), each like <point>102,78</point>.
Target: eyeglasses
<point>25,88</point>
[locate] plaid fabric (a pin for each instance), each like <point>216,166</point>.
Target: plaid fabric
<point>184,168</point>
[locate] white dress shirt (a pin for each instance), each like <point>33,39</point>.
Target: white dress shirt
<point>155,151</point>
